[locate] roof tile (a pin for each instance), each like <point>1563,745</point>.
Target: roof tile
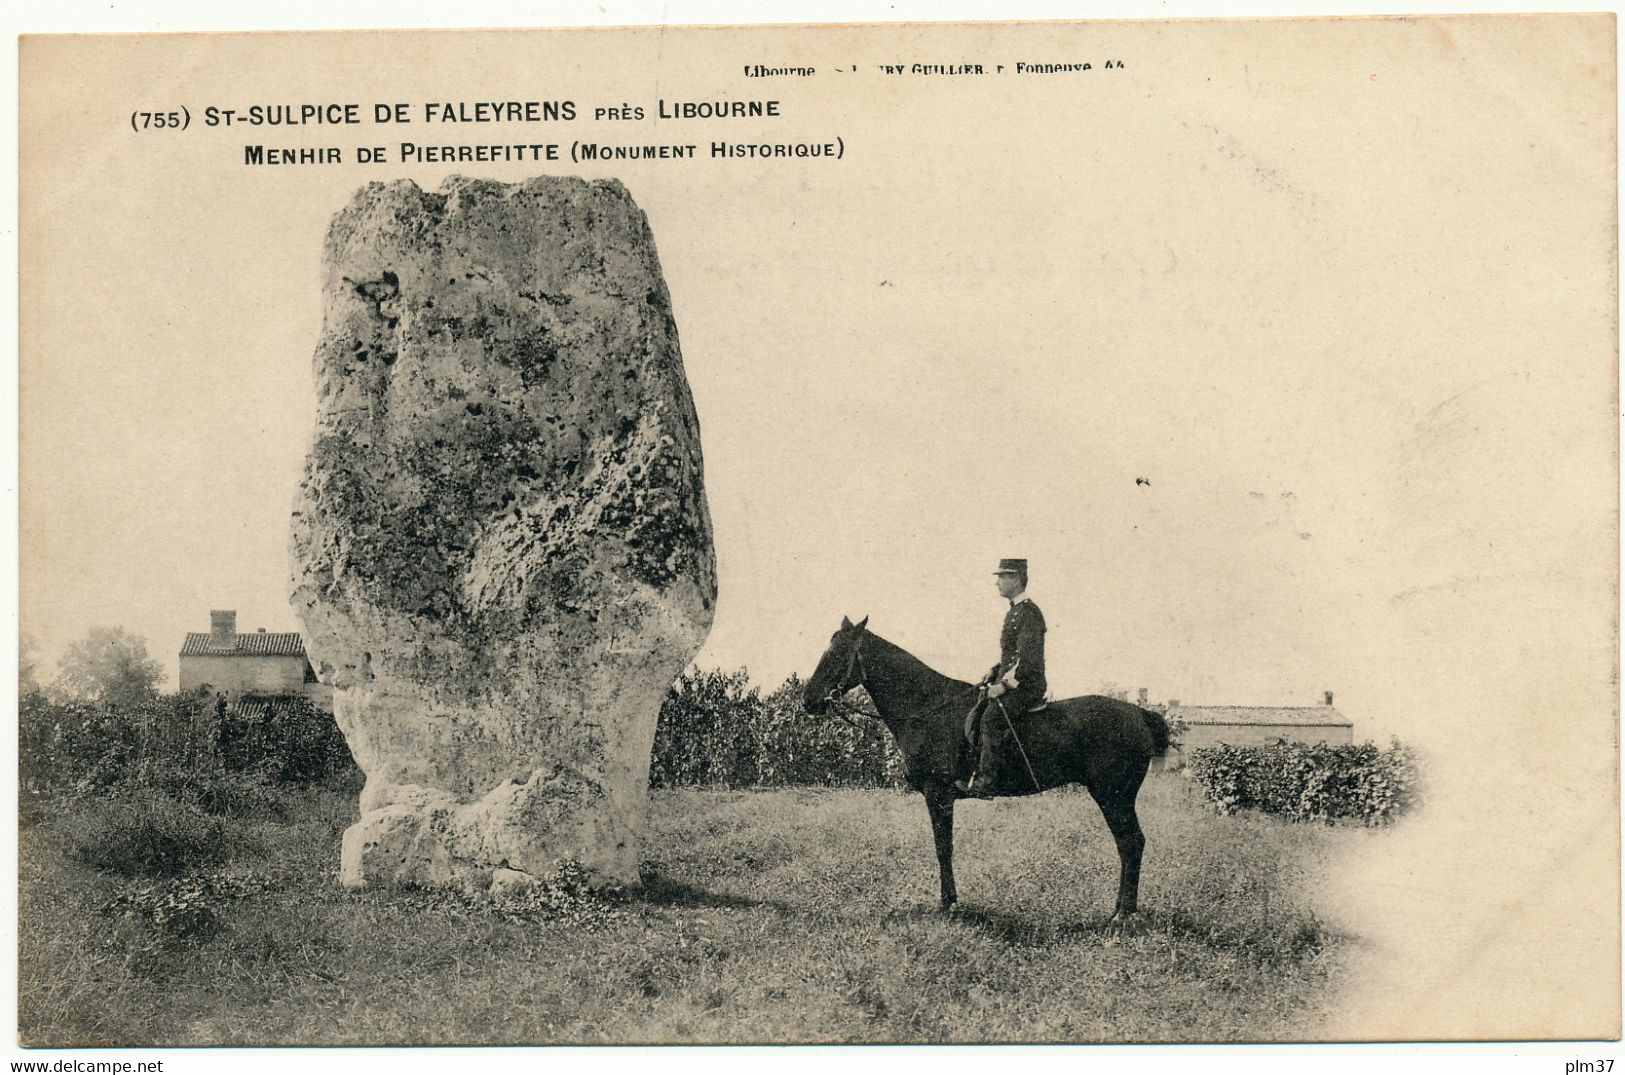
<point>257,644</point>
<point>263,707</point>
<point>1304,716</point>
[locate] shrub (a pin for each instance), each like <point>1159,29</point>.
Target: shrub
<point>150,834</point>
<point>73,743</point>
<point>285,739</point>
<point>183,743</point>
<point>566,894</point>
<point>1310,783</point>
<point>717,730</point>
<point>155,919</point>
<point>175,906</point>
<point>219,793</point>
<point>797,747</point>
<point>704,731</point>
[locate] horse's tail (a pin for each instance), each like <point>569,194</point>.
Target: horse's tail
<point>1158,727</point>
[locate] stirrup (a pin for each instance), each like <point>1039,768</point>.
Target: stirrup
<point>970,787</point>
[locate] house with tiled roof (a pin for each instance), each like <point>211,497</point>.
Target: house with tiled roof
<point>1256,725</point>
<point>260,662</point>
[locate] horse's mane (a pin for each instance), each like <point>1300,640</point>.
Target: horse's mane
<point>918,675</point>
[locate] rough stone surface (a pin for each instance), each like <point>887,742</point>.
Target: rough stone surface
<point>501,549</point>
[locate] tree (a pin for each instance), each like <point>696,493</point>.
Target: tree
<point>108,665</point>
<point>27,666</point>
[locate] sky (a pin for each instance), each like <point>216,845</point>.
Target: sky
<point>1264,399</point>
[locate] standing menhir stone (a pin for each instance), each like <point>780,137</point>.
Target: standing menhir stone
<point>501,550</point>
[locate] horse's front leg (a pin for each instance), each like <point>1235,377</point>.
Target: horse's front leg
<point>940,804</point>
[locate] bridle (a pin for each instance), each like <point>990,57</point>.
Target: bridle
<point>847,683</point>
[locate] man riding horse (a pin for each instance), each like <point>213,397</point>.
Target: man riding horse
<point>1013,686</point>
<point>1105,744</point>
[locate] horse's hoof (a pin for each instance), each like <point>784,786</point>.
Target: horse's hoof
<point>948,907</point>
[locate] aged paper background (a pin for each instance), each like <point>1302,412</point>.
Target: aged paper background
<point>1343,291</point>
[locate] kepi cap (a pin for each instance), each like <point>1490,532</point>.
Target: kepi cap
<point>1009,566</point>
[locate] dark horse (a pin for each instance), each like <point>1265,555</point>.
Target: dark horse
<point>1102,743</point>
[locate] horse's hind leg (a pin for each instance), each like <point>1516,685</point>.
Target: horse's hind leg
<point>1116,802</point>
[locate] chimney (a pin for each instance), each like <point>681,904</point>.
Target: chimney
<point>1328,700</point>
<point>223,629</point>
<point>1144,696</point>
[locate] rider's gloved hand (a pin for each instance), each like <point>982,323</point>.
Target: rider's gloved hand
<point>996,689</point>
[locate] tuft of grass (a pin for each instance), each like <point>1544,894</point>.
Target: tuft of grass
<point>790,915</point>
<point>149,834</point>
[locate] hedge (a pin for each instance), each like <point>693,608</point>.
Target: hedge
<point>175,739</point>
<point>716,730</point>
<point>1310,783</point>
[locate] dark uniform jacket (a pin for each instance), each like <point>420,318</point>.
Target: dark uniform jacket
<point>1021,656</point>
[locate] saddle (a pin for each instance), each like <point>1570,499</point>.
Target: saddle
<point>976,712</point>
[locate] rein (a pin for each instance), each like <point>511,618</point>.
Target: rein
<point>837,692</point>
<point>846,684</point>
<point>846,712</point>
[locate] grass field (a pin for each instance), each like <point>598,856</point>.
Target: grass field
<point>785,915</point>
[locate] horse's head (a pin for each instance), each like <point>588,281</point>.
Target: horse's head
<point>839,669</point>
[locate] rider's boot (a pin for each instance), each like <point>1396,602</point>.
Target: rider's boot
<point>985,778</point>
